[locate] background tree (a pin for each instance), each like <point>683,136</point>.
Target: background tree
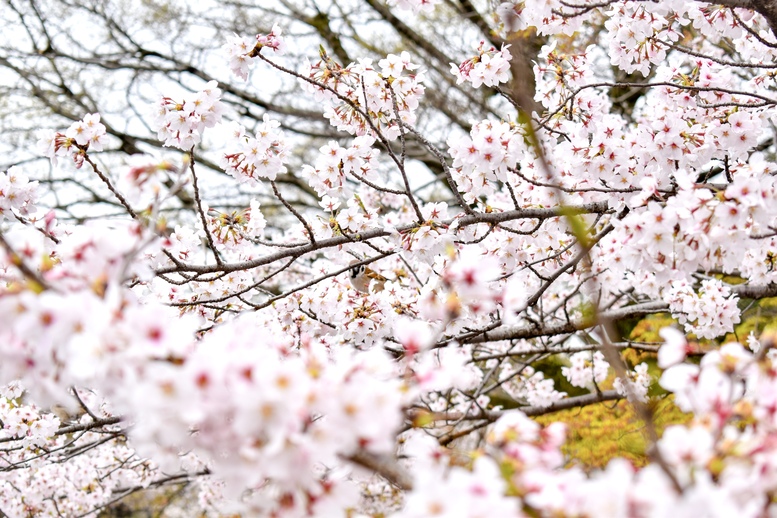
<point>337,267</point>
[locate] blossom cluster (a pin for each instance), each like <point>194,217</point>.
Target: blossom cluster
<point>665,242</point>
<point>37,458</point>
<point>709,313</point>
<point>636,383</point>
<point>284,411</point>
<point>181,123</point>
<point>82,329</point>
<point>729,385</point>
<point>234,228</point>
<point>490,67</point>
<point>18,194</point>
<point>85,134</point>
<point>641,45</point>
<point>241,50</point>
<point>365,99</point>
<point>330,173</point>
<point>272,40</point>
<point>587,369</point>
<point>485,157</point>
<point>524,383</point>
<point>441,487</point>
<point>24,421</point>
<point>257,157</point>
<point>431,239</point>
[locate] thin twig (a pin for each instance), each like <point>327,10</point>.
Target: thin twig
<point>203,218</point>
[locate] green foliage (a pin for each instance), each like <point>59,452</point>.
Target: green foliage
<point>551,369</point>
<point>647,328</point>
<point>156,502</point>
<point>756,317</point>
<point>598,433</point>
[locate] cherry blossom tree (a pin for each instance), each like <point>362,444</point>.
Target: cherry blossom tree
<point>318,273</point>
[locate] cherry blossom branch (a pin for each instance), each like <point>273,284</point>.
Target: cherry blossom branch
<point>17,261</point>
<point>401,162</point>
<point>25,221</point>
<point>752,32</point>
<point>446,169</point>
<point>550,329</point>
<point>111,188</point>
<point>615,360</point>
<point>492,217</point>
<point>365,116</point>
<point>490,416</point>
<point>203,218</point>
<point>491,333</point>
<point>385,466</point>
<point>91,425</point>
<point>742,4</point>
<point>317,280</point>
<point>181,478</point>
<point>512,195</point>
<point>666,84</point>
<point>719,61</point>
<point>573,190</point>
<point>572,349</point>
<point>297,215</point>
<point>255,285</point>
<point>593,5</point>
<point>584,251</point>
<point>531,411</point>
<point>377,187</point>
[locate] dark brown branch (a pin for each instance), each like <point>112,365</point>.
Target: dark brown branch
<point>493,217</point>
<point>385,466</point>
